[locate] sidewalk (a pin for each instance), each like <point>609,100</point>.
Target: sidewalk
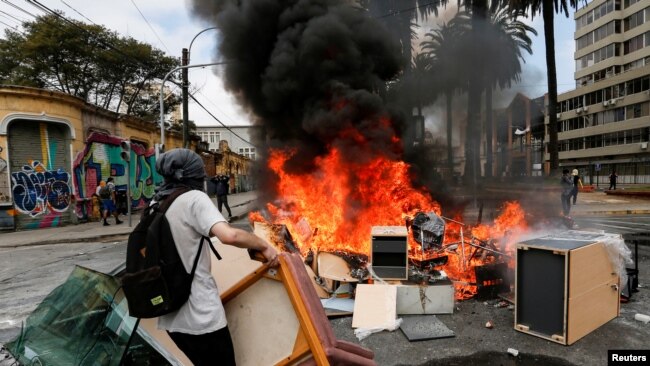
<point>593,203</point>
<point>240,204</point>
<point>600,203</point>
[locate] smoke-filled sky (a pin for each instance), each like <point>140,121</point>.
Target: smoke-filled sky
<point>170,26</point>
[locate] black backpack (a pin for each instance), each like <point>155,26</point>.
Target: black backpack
<point>156,282</point>
<point>105,192</point>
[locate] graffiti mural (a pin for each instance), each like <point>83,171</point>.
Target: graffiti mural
<point>101,159</point>
<point>5,187</point>
<point>36,190</point>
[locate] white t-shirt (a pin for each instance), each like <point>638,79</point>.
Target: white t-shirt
<point>191,216</point>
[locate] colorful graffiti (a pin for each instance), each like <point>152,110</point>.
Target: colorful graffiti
<point>101,159</point>
<point>36,189</point>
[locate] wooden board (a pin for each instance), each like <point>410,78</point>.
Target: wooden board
<point>590,267</point>
<point>389,231</point>
<point>374,306</point>
<point>261,311</point>
<point>150,326</point>
<point>234,265</point>
<point>592,309</point>
<point>333,267</point>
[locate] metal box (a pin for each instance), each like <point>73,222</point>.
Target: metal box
<point>564,288</point>
<point>389,253</point>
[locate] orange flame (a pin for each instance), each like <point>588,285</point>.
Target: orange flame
<point>335,207</point>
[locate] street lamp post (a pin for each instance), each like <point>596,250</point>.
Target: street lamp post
<point>185,60</point>
<point>162,102</point>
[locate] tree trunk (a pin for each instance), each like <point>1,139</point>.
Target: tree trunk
<point>472,168</point>
<point>488,131</point>
<point>548,13</point>
<point>450,125</point>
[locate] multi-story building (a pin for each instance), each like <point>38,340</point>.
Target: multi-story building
<point>240,138</point>
<point>604,124</point>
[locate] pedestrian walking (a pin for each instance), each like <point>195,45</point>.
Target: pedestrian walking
<point>612,180</point>
<point>222,182</point>
<point>199,328</point>
<point>106,193</point>
<point>577,183</point>
<point>567,188</point>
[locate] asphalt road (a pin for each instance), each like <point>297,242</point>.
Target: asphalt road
<point>28,274</point>
<point>620,224</point>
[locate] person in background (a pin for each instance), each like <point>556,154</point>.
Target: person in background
<point>612,180</point>
<point>222,192</point>
<point>577,182</point>
<point>200,328</point>
<point>106,193</point>
<point>567,188</point>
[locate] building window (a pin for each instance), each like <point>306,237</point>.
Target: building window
<point>248,152</point>
<point>633,20</point>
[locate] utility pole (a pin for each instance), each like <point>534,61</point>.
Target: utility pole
<point>186,129</point>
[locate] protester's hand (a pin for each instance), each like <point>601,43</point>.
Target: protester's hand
<point>271,255</point>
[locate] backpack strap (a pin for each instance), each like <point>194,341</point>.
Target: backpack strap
<point>212,247</point>
<point>198,253</point>
<point>167,201</point>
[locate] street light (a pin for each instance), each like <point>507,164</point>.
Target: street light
<point>185,60</point>
<point>162,103</point>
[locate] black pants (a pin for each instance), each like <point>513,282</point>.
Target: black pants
<point>206,349</point>
<point>612,185</point>
<point>574,194</point>
<point>221,201</point>
<point>566,204</point>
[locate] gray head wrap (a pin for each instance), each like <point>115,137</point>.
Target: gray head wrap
<point>179,168</point>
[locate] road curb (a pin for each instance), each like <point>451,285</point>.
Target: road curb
<point>612,212</point>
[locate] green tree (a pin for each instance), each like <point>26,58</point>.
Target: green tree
<point>86,61</point>
<point>548,8</point>
<point>442,47</point>
<point>508,37</point>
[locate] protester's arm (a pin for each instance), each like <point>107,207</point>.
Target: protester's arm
<point>243,239</point>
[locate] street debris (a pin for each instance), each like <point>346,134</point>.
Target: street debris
<point>424,327</point>
<point>642,318</point>
<point>489,324</point>
<point>513,352</point>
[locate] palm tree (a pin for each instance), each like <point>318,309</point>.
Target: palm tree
<point>442,49</point>
<point>508,37</point>
<point>548,8</point>
<point>399,16</point>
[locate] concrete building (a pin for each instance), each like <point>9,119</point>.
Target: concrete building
<point>604,124</point>
<point>239,138</point>
<point>518,133</point>
<point>56,148</point>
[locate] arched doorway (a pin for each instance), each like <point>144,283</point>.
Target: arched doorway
<point>39,163</point>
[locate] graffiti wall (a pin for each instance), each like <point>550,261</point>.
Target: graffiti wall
<point>41,186</point>
<point>101,159</point>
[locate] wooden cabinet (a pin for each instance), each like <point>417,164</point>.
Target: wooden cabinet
<point>564,288</point>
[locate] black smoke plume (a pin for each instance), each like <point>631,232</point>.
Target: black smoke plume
<point>307,70</point>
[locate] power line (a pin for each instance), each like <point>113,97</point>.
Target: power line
<point>149,24</point>
<point>77,11</point>
<point>19,8</point>
<point>10,26</point>
<point>93,35</point>
<point>219,121</point>
<point>16,18</point>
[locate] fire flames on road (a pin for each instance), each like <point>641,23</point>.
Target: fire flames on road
<point>333,209</point>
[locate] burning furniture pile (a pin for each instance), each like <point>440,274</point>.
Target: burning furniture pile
<point>424,266</point>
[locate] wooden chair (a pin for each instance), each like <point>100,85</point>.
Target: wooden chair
<point>294,318</point>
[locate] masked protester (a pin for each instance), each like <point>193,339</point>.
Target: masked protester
<point>567,189</point>
<point>199,327</point>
